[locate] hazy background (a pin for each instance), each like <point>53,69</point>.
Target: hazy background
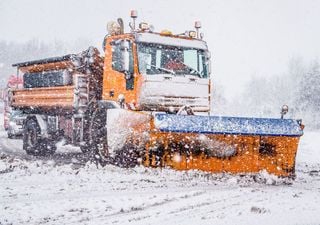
<point>261,50</point>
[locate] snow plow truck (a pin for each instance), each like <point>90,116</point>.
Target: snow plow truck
<point>146,101</point>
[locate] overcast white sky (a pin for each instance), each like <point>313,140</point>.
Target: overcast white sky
<point>247,38</point>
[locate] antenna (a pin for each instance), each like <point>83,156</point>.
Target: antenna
<point>197,25</point>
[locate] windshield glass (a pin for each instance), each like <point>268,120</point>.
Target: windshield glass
<point>157,59</point>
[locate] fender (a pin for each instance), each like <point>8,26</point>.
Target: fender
<point>103,104</point>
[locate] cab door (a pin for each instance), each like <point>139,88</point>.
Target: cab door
<point>119,77</point>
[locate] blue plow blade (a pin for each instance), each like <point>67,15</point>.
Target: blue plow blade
<point>227,125</point>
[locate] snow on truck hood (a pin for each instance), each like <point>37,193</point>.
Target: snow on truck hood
<point>166,90</point>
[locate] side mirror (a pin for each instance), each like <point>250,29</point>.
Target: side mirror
<point>209,67</point>
<point>125,56</point>
<point>208,61</point>
<point>208,55</point>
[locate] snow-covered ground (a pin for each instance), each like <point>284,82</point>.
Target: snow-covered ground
<point>64,189</point>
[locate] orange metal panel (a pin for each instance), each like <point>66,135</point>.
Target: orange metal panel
<point>249,158</point>
<point>114,81</point>
<point>46,67</point>
<point>44,97</point>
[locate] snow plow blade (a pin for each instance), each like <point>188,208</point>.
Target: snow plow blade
<point>224,144</point>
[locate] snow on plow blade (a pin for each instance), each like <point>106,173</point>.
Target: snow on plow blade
<point>224,144</point>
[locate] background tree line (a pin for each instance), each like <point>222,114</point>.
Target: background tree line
<point>299,88</point>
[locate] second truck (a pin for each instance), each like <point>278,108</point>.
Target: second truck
<point>146,100</point>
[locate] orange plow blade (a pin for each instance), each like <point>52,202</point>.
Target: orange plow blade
<point>223,144</point>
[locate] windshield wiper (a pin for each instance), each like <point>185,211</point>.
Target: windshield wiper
<point>163,69</point>
<point>191,69</point>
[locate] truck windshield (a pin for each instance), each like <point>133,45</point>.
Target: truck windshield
<point>157,59</point>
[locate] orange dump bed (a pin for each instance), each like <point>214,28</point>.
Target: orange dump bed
<point>67,82</point>
<point>46,98</point>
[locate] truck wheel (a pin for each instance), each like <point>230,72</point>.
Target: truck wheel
<point>33,144</point>
<point>86,146</point>
<point>98,136</point>
<point>10,136</point>
<point>31,137</point>
<point>128,156</point>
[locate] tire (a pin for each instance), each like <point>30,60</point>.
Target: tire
<point>86,146</point>
<point>98,136</point>
<point>10,136</point>
<point>33,144</point>
<point>126,157</point>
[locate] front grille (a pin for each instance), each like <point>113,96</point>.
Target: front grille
<point>164,103</point>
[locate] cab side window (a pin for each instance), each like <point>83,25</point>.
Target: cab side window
<point>116,57</point>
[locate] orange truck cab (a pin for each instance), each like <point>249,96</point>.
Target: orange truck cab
<point>148,84</point>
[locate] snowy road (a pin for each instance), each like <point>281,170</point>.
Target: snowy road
<point>63,155</point>
<point>64,189</point>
